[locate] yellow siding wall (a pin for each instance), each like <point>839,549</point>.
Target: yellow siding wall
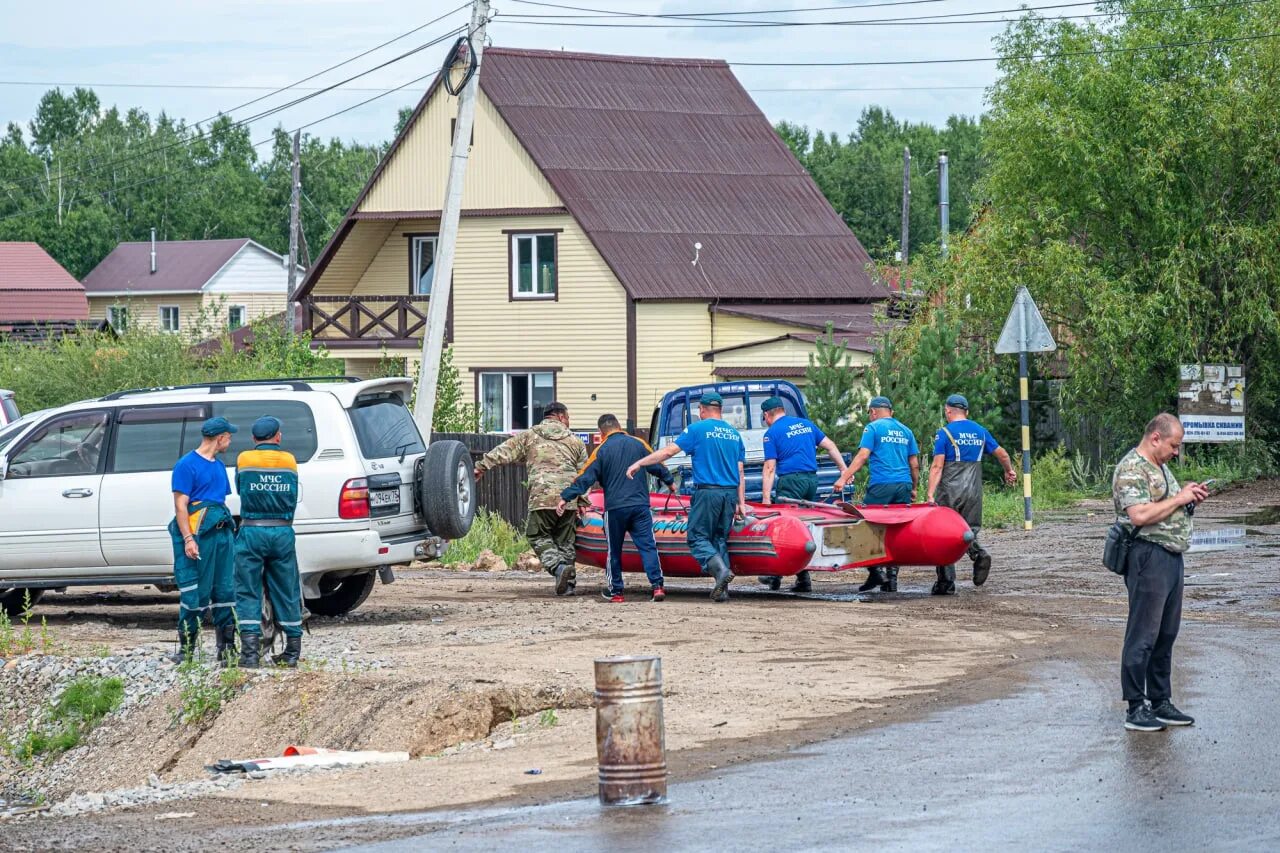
<point>728,331</point>
<point>500,173</point>
<point>778,354</point>
<point>256,304</point>
<point>388,272</point>
<point>670,340</point>
<point>144,311</point>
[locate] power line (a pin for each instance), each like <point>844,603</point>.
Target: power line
<point>220,175</point>
<point>92,166</point>
<point>258,116</point>
<point>804,89</point>
<point>1028,56</point>
<point>210,86</point>
<point>947,19</point>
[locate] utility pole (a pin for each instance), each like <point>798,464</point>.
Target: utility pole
<point>451,210</point>
<point>906,202</point>
<point>295,225</point>
<point>944,200</point>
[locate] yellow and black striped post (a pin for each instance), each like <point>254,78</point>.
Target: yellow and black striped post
<point>1024,393</point>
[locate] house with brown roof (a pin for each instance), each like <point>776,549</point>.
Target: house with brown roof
<point>36,292</point>
<point>629,225</point>
<point>193,287</point>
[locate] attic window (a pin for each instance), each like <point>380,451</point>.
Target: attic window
<point>533,266</point>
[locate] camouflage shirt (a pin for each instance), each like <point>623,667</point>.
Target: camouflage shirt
<point>552,454</point>
<point>1137,481</point>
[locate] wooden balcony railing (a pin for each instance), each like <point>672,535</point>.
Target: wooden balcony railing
<point>356,321</point>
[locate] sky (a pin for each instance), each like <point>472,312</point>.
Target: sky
<point>192,48</point>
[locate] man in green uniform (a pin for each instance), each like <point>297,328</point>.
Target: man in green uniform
<point>955,481</point>
<point>203,541</point>
<point>1149,503</point>
<point>267,480</point>
<point>553,456</point>
<point>790,454</point>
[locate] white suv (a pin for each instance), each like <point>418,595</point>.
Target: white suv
<point>85,491</point>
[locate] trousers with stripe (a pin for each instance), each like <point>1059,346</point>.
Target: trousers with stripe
<point>267,555</point>
<point>638,521</point>
<point>205,584</point>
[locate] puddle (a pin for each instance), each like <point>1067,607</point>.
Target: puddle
<point>1263,516</point>
<point>1218,539</point>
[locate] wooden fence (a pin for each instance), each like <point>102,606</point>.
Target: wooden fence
<point>503,489</point>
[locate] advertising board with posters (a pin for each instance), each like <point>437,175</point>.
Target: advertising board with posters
<point>1211,402</point>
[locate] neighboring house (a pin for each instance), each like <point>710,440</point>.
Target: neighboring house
<point>193,287</point>
<point>591,182</point>
<point>36,293</point>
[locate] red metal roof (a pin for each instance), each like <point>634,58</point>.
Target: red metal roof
<point>844,316</point>
<point>181,265</point>
<point>653,155</point>
<point>35,288</point>
<point>732,372</point>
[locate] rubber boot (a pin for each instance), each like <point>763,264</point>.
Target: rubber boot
<point>946,582</point>
<point>890,580</point>
<point>803,583</point>
<point>723,576</point>
<point>292,651</point>
<point>226,645</point>
<point>875,580</point>
<point>772,581</point>
<point>186,647</point>
<point>250,650</point>
<point>981,564</point>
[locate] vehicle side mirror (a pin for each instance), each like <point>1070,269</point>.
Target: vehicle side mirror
<point>4,467</point>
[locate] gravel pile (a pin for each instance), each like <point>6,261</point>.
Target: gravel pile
<point>155,792</point>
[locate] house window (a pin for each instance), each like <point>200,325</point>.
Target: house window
<point>118,317</point>
<point>235,317</point>
<point>169,321</point>
<point>533,266</point>
<point>422,263</point>
<point>514,401</point>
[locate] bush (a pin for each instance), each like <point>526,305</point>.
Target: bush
<point>489,532</point>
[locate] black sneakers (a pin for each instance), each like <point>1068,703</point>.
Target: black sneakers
<point>1166,713</point>
<point>1142,719</point>
<point>875,579</point>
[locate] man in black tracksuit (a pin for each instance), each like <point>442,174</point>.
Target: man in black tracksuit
<point>626,502</point>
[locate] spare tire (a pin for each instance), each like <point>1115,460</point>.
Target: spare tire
<point>447,489</point>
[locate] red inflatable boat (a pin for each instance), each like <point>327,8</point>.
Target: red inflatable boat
<point>783,539</point>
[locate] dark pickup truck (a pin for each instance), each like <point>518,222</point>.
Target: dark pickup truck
<point>742,400</point>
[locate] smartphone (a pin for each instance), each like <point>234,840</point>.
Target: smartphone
<point>1209,483</point>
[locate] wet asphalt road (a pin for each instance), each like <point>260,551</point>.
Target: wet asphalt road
<point>1049,768</point>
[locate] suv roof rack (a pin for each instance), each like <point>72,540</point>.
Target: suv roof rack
<point>295,383</point>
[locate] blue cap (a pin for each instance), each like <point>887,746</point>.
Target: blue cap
<point>880,403</point>
<point>771,403</point>
<point>957,401</point>
<point>711,398</point>
<point>217,426</point>
<point>265,427</point>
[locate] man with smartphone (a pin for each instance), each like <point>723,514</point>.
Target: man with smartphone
<point>1157,512</point>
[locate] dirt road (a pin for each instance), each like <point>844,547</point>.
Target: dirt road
<point>482,677</point>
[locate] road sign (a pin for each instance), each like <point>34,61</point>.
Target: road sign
<point>1025,329</point>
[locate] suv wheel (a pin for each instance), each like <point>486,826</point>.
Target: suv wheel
<point>339,597</point>
<point>447,489</point>
<point>16,601</point>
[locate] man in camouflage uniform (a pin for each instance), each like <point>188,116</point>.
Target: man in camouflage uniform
<point>1149,503</point>
<point>553,456</point>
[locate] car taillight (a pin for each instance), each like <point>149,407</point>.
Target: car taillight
<point>353,500</point>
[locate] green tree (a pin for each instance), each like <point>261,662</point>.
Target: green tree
<point>1134,192</point>
<point>832,390</point>
<point>451,413</point>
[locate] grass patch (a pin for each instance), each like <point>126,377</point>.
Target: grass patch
<point>21,638</point>
<point>82,706</point>
<point>548,719</point>
<point>490,532</point>
<point>1056,482</point>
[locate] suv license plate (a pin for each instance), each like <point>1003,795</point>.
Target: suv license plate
<point>384,498</point>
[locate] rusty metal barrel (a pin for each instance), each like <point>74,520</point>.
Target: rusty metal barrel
<point>630,742</point>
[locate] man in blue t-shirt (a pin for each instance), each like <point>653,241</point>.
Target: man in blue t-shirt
<point>955,480</point>
<point>790,454</point>
<point>204,542</point>
<point>717,454</point>
<point>889,450</point>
